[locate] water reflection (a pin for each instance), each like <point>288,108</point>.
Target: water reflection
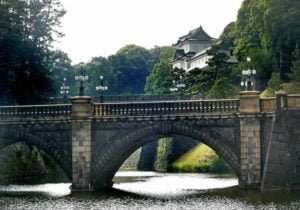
<point>52,190</point>
<point>166,185</point>
<point>149,190</point>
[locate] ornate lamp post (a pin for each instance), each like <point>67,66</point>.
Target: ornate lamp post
<point>178,86</point>
<point>64,90</point>
<point>81,77</point>
<point>174,89</point>
<point>101,88</point>
<point>248,77</point>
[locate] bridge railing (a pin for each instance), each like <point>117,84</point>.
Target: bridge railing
<point>281,101</point>
<point>293,101</point>
<point>268,104</point>
<point>144,98</point>
<point>34,111</point>
<point>165,108</point>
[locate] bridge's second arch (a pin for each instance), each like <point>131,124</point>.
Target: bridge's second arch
<point>111,149</point>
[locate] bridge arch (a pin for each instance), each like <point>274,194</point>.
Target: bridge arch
<point>108,160</point>
<point>46,142</point>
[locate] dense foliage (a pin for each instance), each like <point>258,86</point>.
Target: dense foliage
<point>159,80</point>
<point>268,31</point>
<point>201,159</point>
<point>27,30</point>
<point>26,163</point>
<point>126,71</point>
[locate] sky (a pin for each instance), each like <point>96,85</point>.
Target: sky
<point>101,27</point>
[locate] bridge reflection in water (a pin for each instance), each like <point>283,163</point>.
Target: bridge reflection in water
<point>90,141</point>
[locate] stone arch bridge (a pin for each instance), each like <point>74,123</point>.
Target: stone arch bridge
<point>259,138</point>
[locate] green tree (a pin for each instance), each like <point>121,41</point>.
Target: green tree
<point>222,88</point>
<point>270,28</point>
<point>281,18</point>
<point>249,28</point>
<point>96,67</point>
<point>28,28</point>
<point>274,84</point>
<point>160,78</point>
<point>215,76</point>
<point>162,53</point>
<point>218,62</point>
<point>62,68</point>
<point>295,74</point>
<point>199,81</point>
<point>131,65</point>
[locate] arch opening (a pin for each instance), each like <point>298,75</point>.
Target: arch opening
<point>57,153</point>
<point>125,146</point>
<point>26,163</point>
<point>160,182</point>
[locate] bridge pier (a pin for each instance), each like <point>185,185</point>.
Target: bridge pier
<point>250,140</point>
<point>81,143</point>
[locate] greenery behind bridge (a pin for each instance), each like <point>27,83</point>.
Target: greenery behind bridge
<point>266,30</point>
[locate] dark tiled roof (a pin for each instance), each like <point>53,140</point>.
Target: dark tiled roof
<point>180,54</point>
<point>197,34</point>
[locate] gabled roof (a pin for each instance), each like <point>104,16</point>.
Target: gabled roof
<point>180,54</point>
<point>197,34</point>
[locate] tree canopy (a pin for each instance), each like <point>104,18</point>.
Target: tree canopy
<point>27,31</point>
<point>270,29</point>
<point>132,64</point>
<point>160,79</point>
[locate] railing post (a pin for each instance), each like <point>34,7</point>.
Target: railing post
<point>250,141</point>
<point>249,102</point>
<point>281,100</point>
<point>81,143</point>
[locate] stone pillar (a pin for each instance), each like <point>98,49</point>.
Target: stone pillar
<point>281,100</point>
<point>250,142</point>
<point>81,143</point>
<point>249,102</point>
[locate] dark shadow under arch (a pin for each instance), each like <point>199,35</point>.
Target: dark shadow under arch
<point>109,159</point>
<point>63,159</point>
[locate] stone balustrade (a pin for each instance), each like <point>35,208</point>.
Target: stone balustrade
<point>35,111</point>
<point>167,107</point>
<point>268,104</point>
<point>282,100</point>
<point>293,101</point>
<point>265,105</point>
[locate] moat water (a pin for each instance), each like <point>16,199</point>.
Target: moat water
<point>149,190</point>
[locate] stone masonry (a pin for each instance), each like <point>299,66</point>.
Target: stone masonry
<point>81,143</point>
<point>282,168</point>
<point>250,140</point>
<point>91,141</point>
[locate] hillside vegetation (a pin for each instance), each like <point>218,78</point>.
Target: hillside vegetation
<point>200,159</point>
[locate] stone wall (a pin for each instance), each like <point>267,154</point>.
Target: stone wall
<point>250,150</point>
<point>282,168</point>
<point>148,157</point>
<point>266,127</point>
<point>131,163</point>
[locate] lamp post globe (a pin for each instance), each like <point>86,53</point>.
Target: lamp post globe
<point>81,77</point>
<point>64,90</point>
<point>101,88</point>
<point>248,77</point>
